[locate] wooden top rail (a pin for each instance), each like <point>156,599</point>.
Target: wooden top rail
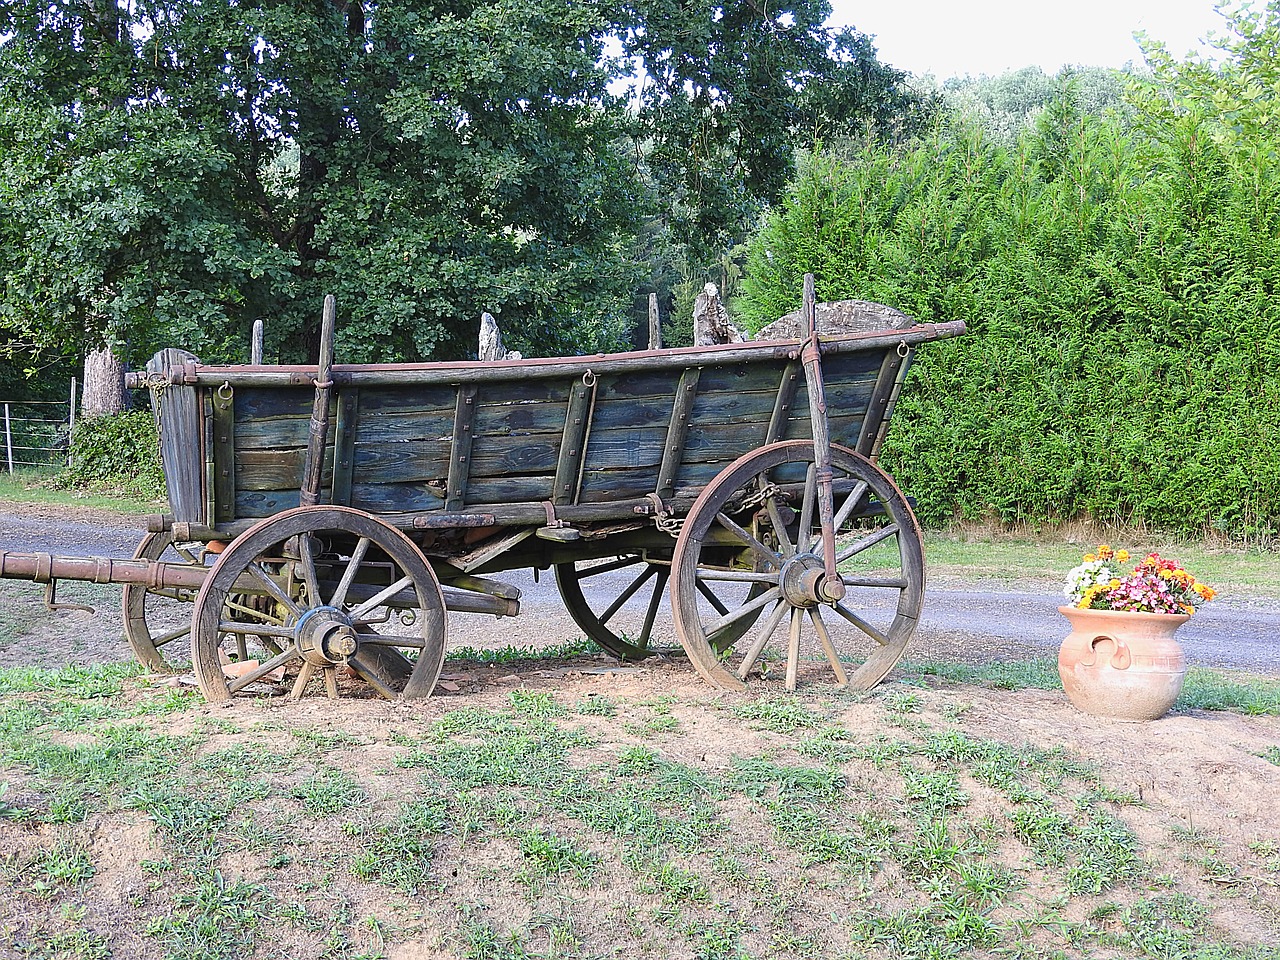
<point>475,371</point>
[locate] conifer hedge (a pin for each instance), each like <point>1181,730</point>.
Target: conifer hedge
<point>1123,361</point>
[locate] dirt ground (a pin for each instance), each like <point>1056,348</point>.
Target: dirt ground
<point>1198,782</point>
<point>1195,774</point>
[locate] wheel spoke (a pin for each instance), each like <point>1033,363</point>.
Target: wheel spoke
<point>616,564</point>
<point>745,610</point>
<point>379,598</point>
<point>861,624</point>
<point>761,638</point>
<point>238,607</point>
<point>758,548</point>
<point>806,508</point>
<point>793,648</point>
<point>866,542</point>
<point>628,593</point>
<point>371,676</point>
<point>304,677</point>
<point>851,501</point>
<point>712,599</point>
<point>779,527</point>
<point>651,613</point>
<point>349,574</point>
<point>331,682</point>
<point>274,589</point>
<point>254,629</point>
<point>306,550</point>
<point>382,640</point>
<point>846,510</point>
<point>888,583</point>
<point>260,671</point>
<point>171,636</point>
<point>736,576</point>
<point>829,648</point>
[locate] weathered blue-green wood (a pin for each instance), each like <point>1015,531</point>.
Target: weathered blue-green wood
<point>460,450</point>
<point>878,404</point>
<point>673,447</point>
<point>224,460</point>
<point>206,448</point>
<point>344,441</point>
<point>275,469</point>
<point>177,411</point>
<point>578,419</point>
<point>413,448</point>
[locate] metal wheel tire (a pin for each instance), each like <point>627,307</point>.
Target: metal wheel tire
<point>765,502</point>
<point>332,577</point>
<point>623,624</point>
<point>152,619</point>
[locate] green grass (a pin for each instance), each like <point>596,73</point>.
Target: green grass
<point>34,486</point>
<point>1203,689</point>
<point>970,555</point>
<point>526,826</point>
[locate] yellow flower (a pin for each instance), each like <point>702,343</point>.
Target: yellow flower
<point>1089,558</point>
<point>1122,555</point>
<point>1115,584</point>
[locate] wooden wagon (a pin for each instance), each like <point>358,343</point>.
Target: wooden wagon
<point>327,519</point>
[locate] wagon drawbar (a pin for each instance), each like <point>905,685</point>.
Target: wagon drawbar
<point>328,519</point>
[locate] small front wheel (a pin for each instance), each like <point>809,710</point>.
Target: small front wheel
<point>329,594</point>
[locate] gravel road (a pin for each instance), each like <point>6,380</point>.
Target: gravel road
<point>977,621</point>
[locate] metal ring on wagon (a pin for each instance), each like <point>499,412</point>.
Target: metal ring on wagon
<point>588,379</point>
<point>226,391</point>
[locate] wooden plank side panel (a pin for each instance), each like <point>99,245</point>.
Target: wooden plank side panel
<point>417,461</point>
<point>260,470</point>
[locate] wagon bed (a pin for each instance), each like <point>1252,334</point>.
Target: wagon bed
<point>333,516</point>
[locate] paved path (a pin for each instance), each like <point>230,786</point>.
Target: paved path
<point>1239,632</point>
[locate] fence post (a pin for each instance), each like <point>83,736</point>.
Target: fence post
<point>8,439</point>
<point>71,420</point>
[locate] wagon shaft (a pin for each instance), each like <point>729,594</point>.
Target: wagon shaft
<point>154,575</point>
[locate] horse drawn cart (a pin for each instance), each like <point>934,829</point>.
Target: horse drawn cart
<point>327,519</point>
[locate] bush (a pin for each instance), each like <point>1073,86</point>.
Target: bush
<point>1123,352</point>
<point>120,453</point>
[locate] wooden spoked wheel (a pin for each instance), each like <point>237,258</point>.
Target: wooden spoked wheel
<point>626,595</point>
<point>618,603</point>
<point>766,505</point>
<point>325,594</point>
<point>154,619</point>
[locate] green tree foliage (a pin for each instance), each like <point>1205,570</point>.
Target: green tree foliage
<point>1007,105</point>
<point>174,170</point>
<point>730,87</point>
<point>208,164</point>
<point>1119,284</point>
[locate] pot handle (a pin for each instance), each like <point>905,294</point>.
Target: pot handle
<point>1121,657</point>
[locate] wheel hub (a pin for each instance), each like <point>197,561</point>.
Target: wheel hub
<point>804,582</point>
<point>325,636</point>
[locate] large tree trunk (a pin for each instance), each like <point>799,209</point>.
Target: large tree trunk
<point>103,384</point>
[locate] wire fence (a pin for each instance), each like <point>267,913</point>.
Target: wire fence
<point>36,433</point>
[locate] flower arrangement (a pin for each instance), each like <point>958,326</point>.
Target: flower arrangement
<point>1155,585</point>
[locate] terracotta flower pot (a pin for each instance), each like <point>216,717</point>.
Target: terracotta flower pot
<point>1120,664</point>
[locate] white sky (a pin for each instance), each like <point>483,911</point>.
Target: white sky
<point>956,37</point>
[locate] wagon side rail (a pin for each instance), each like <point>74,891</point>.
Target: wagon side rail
<point>557,499</point>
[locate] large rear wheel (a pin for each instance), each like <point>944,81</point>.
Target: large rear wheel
<point>765,506</point>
